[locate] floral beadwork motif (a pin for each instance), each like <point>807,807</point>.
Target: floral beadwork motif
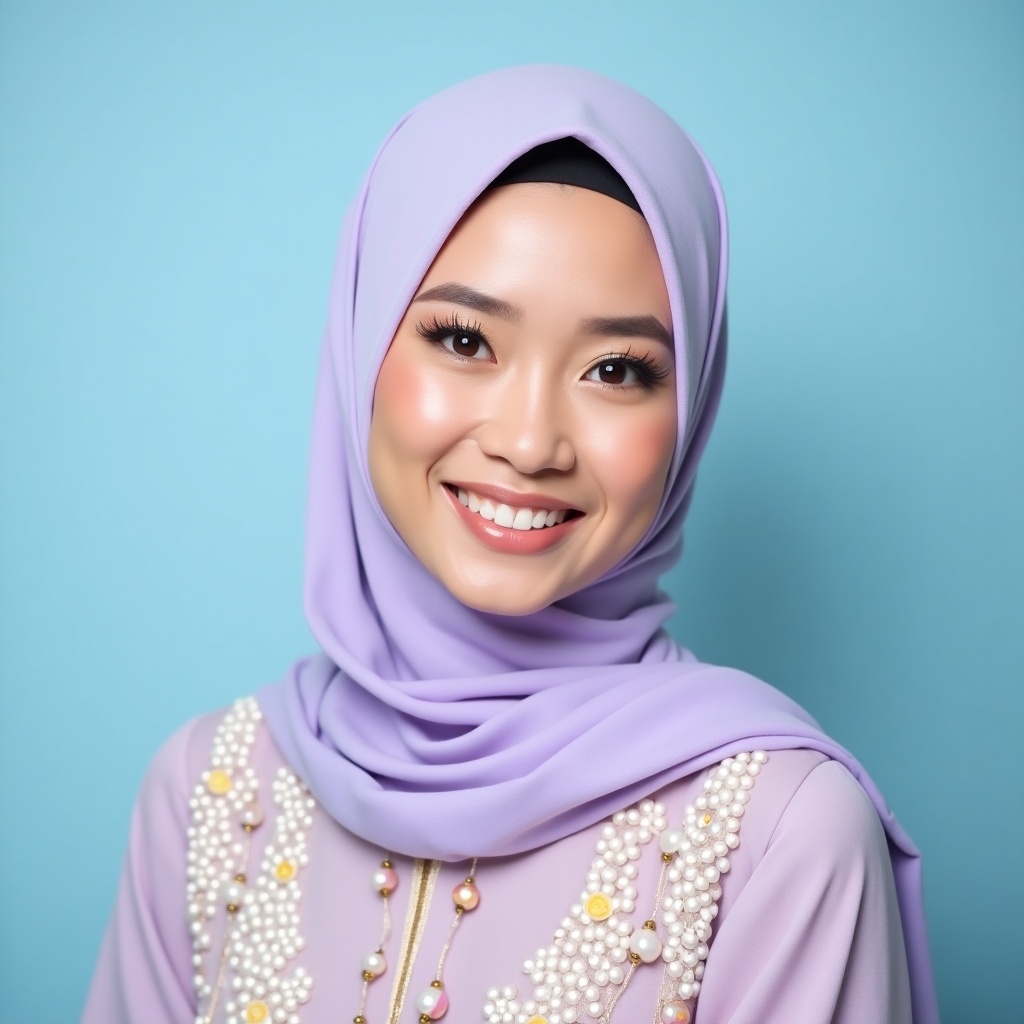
<point>261,930</point>
<point>597,948</point>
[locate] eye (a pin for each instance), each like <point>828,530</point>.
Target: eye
<point>467,344</point>
<point>464,340</point>
<point>627,370</point>
<point>618,372</point>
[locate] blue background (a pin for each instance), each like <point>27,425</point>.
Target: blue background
<point>172,178</point>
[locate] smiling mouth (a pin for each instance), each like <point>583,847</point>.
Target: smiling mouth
<point>512,517</point>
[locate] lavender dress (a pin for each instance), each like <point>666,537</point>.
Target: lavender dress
<point>808,929</point>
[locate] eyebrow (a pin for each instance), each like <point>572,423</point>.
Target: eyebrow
<point>646,326</point>
<point>643,326</point>
<point>463,295</point>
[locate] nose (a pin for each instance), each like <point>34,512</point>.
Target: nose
<point>526,422</point>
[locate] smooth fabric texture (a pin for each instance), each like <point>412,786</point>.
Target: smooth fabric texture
<point>825,896</point>
<point>433,730</point>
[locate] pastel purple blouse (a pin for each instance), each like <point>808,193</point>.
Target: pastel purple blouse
<point>808,931</point>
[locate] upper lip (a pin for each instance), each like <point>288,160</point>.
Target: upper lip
<point>514,499</point>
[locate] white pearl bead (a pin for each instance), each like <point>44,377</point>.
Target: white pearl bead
<point>670,840</point>
<point>646,945</point>
<point>375,964</point>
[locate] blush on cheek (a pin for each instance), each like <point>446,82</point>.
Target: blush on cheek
<point>411,403</point>
<point>635,466</point>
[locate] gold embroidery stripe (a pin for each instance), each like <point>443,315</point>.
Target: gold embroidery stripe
<point>424,876</point>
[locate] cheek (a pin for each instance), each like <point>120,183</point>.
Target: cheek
<point>414,412</point>
<point>633,454</point>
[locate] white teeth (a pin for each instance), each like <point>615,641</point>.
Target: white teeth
<point>509,517</point>
<point>504,516</point>
<point>523,520</point>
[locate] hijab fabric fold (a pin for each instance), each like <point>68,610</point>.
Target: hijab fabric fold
<point>437,731</point>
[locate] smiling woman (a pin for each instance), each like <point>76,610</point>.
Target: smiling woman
<point>522,364</point>
<point>544,424</point>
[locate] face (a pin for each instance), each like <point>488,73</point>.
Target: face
<point>524,415</point>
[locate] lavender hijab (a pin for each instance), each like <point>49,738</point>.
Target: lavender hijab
<point>437,731</point>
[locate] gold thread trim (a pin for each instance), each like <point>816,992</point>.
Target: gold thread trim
<point>424,877</point>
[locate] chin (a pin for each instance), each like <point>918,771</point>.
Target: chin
<point>500,604</point>
<point>500,596</point>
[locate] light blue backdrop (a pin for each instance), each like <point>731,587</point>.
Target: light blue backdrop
<point>172,178</point>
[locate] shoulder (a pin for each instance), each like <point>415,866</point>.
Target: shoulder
<point>807,818</point>
<point>831,819</point>
<point>181,757</point>
<point>811,826</point>
<point>161,815</point>
<point>803,793</point>
<point>185,759</point>
<point>225,753</point>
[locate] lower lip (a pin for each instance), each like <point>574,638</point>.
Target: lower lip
<point>507,540</point>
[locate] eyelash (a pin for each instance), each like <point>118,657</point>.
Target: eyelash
<point>436,330</point>
<point>647,369</point>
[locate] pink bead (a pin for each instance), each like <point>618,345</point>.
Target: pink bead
<point>384,879</point>
<point>466,895</point>
<point>675,1012</point>
<point>432,1003</point>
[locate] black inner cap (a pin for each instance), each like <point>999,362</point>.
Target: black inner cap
<point>568,162</point>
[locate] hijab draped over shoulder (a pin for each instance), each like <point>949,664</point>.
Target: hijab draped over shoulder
<point>438,731</point>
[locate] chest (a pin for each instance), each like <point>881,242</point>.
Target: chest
<point>295,920</point>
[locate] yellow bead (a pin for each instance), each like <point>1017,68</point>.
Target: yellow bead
<point>706,820</point>
<point>257,1012</point>
<point>537,1020</point>
<point>219,782</point>
<point>285,871</point>
<point>598,906</point>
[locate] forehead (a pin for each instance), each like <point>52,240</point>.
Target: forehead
<point>568,243</point>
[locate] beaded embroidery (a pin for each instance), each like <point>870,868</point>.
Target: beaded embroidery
<point>261,934</point>
<point>585,969</point>
<point>580,976</point>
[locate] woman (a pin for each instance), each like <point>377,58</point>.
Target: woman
<point>523,360</point>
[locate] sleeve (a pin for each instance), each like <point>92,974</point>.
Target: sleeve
<point>144,971</point>
<point>815,934</point>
